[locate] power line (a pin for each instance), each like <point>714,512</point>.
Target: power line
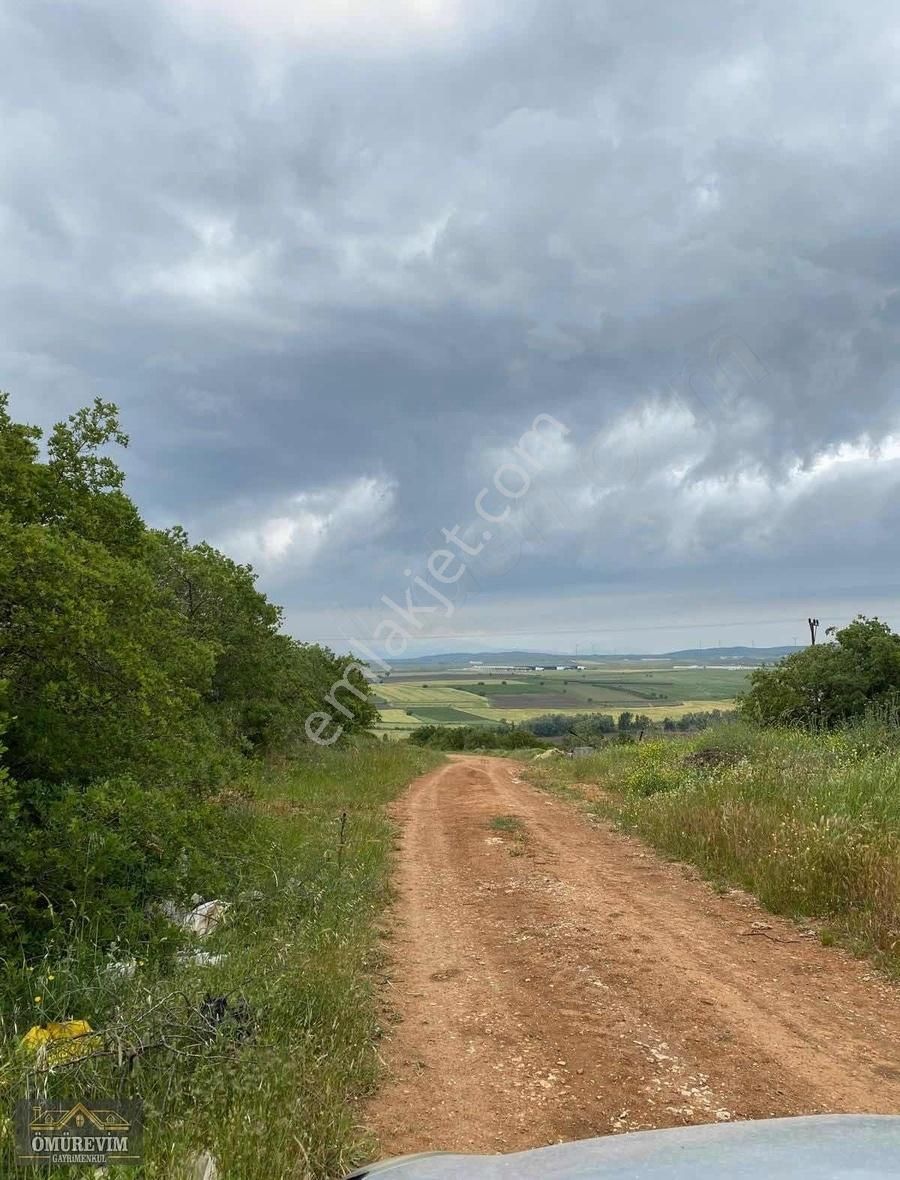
<point>539,630</point>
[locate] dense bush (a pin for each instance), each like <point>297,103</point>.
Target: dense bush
<point>126,650</point>
<point>137,672</point>
<point>88,861</point>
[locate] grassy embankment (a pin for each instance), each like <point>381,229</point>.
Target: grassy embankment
<point>270,1089</point>
<point>809,823</point>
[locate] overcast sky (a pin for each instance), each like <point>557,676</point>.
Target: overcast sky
<point>333,259</point>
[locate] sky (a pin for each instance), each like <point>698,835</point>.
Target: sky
<point>615,283</point>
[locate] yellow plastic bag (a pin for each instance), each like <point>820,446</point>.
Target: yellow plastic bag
<point>67,1040</point>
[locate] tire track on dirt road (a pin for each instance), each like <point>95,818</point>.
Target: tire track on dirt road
<point>558,980</point>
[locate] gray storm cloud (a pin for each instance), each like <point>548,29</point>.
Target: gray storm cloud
<point>332,264</point>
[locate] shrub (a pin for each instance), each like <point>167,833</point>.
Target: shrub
<point>92,860</point>
<point>654,770</point>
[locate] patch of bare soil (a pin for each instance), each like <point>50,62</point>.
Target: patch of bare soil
<point>560,981</point>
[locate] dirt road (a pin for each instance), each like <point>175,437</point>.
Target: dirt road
<point>554,980</point>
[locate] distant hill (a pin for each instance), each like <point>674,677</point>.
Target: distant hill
<point>705,655</point>
<point>457,658</point>
<point>734,655</point>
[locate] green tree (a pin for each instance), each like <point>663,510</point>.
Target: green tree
<point>131,651</point>
<point>135,667</point>
<point>828,683</point>
<point>101,674</point>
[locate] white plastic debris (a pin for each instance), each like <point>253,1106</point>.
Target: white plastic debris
<point>201,958</point>
<point>206,917</point>
<point>202,920</point>
<point>122,968</point>
<point>205,1167</point>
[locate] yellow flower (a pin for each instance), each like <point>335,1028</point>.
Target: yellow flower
<point>37,999</point>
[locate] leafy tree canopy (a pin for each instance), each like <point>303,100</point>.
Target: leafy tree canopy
<point>829,683</point>
<point>124,650</point>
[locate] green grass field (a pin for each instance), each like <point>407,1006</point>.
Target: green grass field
<point>444,715</point>
<point>408,694</point>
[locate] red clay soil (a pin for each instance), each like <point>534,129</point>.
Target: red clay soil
<point>554,979</point>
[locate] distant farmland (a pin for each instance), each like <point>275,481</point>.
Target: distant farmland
<point>487,697</point>
<point>443,715</point>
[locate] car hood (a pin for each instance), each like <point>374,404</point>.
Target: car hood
<point>829,1147</point>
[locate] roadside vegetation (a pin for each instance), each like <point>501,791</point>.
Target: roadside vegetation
<point>254,1043</point>
<point>140,675</point>
<point>189,887</point>
<point>798,802</point>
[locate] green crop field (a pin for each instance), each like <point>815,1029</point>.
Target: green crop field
<point>408,695</point>
<point>445,715</point>
<point>481,697</point>
<point>508,687</point>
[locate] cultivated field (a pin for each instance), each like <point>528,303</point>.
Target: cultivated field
<point>471,697</point>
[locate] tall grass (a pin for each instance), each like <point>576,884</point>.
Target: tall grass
<point>270,1089</point>
<point>810,823</point>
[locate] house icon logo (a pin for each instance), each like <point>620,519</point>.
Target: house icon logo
<point>98,1132</point>
<point>51,1120</point>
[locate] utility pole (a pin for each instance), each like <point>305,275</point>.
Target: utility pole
<point>813,630</point>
